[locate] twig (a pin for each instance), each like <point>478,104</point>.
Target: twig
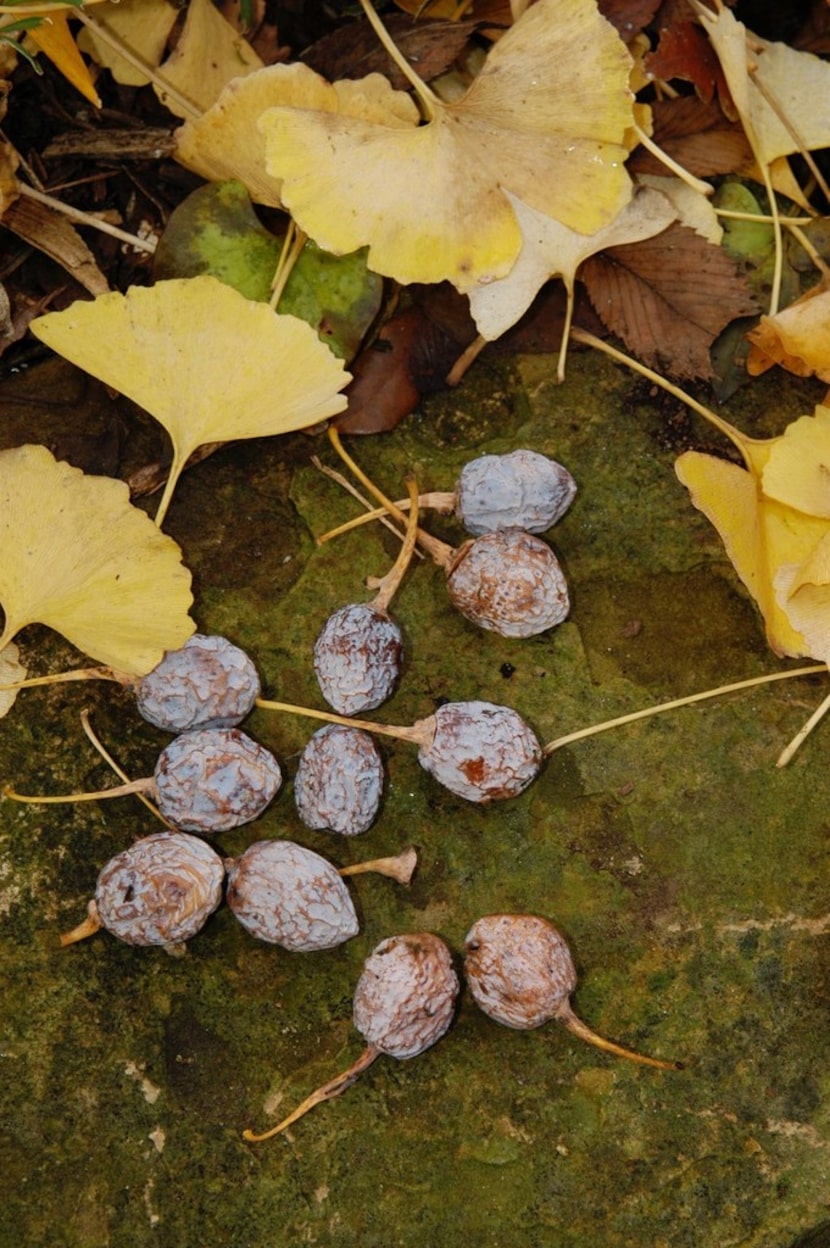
<point>86,218</point>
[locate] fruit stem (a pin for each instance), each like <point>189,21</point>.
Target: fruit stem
<point>416,733</point>
<point>327,1092</point>
<point>91,924</point>
<point>574,1024</point>
<point>803,732</point>
<point>380,513</point>
<point>93,738</point>
<point>671,706</point>
<point>439,551</point>
<point>81,673</point>
<point>388,585</point>
<point>400,868</point>
<point>442,501</point>
<point>42,799</point>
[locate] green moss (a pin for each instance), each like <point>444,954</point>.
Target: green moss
<point>689,875</point>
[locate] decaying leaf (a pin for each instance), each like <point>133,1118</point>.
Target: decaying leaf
<point>798,338</point>
<point>668,298</point>
<point>197,356</point>
<point>56,236</point>
<point>545,119</point>
<point>774,520</point>
<point>77,556</point>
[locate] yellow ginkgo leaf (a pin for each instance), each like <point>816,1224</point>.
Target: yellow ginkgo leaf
<point>545,119</point>
<point>797,471</point>
<point>759,536</point>
<point>12,672</point>
<point>143,24</point>
<point>76,555</point>
<point>804,594</point>
<point>798,338</point>
<point>208,55</point>
<point>774,521</point>
<point>207,363</point>
<point>226,143</point>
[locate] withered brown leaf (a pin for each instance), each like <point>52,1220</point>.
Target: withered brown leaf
<point>668,298</point>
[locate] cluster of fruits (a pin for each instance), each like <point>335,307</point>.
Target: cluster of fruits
<point>213,777</point>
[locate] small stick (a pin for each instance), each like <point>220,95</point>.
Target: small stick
<point>86,218</point>
<point>414,733</point>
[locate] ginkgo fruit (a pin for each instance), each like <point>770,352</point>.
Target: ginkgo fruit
<point>207,363</point>
<point>77,556</point>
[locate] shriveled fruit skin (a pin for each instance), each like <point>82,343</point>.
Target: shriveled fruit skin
<point>481,751</point>
<point>357,658</point>
<point>509,582</point>
<point>161,890</point>
<point>290,896</point>
<point>215,779</point>
<point>519,969</point>
<point>339,780</point>
<point>405,997</point>
<point>208,683</point>
<point>522,489</point>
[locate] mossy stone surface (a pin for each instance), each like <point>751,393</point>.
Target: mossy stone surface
<point>689,875</point>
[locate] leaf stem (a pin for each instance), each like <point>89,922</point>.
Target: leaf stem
<point>429,100</point>
<point>327,1092</point>
<point>559,742</point>
<point>738,439</point>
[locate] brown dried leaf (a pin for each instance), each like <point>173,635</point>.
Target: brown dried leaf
<point>684,52</point>
<point>668,298</point>
<point>629,16</point>
<point>353,51</point>
<point>52,234</point>
<point>697,135</point>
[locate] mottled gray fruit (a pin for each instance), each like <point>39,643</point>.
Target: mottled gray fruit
<point>339,780</point>
<point>519,969</point>
<point>208,683</point>
<point>481,751</point>
<point>215,779</point>
<point>522,490</point>
<point>509,582</point>
<point>405,997</point>
<point>521,974</point>
<point>161,890</point>
<point>290,896</point>
<point>357,658</point>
